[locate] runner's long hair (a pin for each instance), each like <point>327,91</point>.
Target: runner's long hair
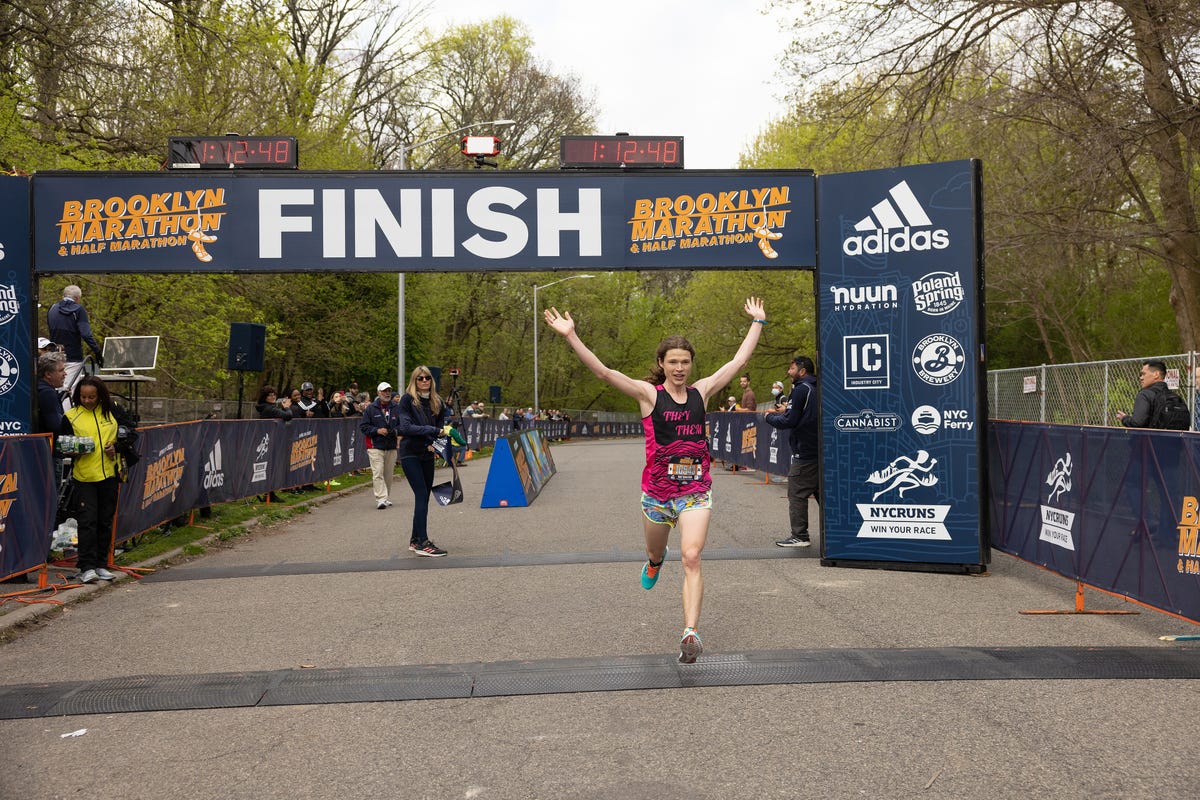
<point>657,373</point>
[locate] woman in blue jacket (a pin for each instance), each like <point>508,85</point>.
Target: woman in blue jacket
<point>422,415</point>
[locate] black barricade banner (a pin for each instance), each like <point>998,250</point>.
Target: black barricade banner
<point>27,503</point>
<point>158,488</point>
<point>1115,508</point>
<point>205,463</point>
<point>744,439</point>
<point>303,443</point>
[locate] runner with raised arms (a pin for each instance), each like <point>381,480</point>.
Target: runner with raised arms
<point>676,485</point>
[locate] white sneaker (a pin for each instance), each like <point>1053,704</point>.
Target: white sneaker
<point>104,574</point>
<point>382,504</point>
<point>88,576</point>
<point>387,503</point>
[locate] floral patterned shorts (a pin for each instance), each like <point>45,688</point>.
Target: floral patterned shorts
<point>666,512</point>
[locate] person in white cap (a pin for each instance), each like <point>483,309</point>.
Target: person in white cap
<point>379,426</point>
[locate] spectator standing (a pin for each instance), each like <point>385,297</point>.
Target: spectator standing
<point>749,401</point>
<point>731,404</point>
<point>94,494</point>
<point>51,373</point>
<point>309,405</point>
<point>799,415</point>
<point>1149,406</point>
<point>268,406</point>
<point>379,423</point>
<point>342,406</point>
<point>422,417</point>
<point>70,327</point>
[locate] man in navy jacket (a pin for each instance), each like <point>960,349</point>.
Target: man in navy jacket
<point>798,414</point>
<point>378,424</point>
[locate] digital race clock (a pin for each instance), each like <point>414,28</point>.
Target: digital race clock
<point>660,152</point>
<point>232,152</point>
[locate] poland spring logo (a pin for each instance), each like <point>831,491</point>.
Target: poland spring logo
<point>896,224</point>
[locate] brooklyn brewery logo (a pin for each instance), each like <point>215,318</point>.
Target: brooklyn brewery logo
<point>938,359</point>
<point>904,520</point>
<point>867,420</point>
<point>1057,523</point>
<point>10,370</point>
<point>896,224</point>
<point>214,475</point>
<point>937,293</point>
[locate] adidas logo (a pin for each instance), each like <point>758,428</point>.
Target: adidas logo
<point>889,227</point>
<point>337,450</point>
<point>213,474</point>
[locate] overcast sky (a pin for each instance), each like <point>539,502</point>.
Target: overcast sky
<point>707,70</point>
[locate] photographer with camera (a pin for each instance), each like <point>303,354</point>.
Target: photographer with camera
<point>93,499</point>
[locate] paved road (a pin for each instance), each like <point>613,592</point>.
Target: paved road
<point>868,683</point>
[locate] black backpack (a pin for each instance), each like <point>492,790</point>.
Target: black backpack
<point>1168,412</point>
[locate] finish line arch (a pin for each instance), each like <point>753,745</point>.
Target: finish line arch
<point>897,255</point>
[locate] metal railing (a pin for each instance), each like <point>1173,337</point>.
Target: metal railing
<point>1087,393</point>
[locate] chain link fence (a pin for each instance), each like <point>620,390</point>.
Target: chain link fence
<point>1088,393</point>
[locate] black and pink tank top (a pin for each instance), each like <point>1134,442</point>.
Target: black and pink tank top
<point>676,447</point>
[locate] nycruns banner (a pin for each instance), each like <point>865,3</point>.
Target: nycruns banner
<point>1116,508</point>
<point>197,464</point>
<point>422,221</point>
<point>27,503</point>
<point>900,369</point>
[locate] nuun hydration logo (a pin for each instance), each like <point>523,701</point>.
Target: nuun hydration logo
<point>896,224</point>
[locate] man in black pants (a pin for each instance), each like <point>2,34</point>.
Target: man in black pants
<point>798,413</point>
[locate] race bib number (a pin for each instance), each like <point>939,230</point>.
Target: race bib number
<point>684,469</point>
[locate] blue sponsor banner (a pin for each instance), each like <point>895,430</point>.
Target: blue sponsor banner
<point>16,309</point>
<point>900,302</point>
<point>1115,508</point>
<point>27,503</point>
<point>422,221</point>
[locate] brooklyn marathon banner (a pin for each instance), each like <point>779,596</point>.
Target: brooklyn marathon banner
<point>197,464</point>
<point>1116,508</point>
<point>27,503</point>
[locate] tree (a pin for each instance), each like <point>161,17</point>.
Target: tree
<point>486,71</point>
<point>1115,79</point>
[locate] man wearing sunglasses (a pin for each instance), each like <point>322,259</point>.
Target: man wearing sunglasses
<point>379,426</point>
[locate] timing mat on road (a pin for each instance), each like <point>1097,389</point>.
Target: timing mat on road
<point>285,687</point>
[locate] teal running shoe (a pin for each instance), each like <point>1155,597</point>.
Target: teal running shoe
<point>650,572</point>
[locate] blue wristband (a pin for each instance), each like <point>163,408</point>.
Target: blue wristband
<point>761,321</point>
